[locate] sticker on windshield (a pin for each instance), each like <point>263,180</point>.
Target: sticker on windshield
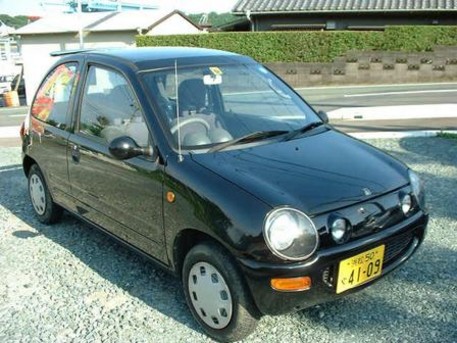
<point>216,70</point>
<point>211,80</point>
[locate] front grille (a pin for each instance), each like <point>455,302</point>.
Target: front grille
<point>396,246</point>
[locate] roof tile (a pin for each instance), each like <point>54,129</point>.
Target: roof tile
<point>342,5</point>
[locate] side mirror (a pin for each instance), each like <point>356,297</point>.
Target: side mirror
<point>323,115</point>
<point>125,147</point>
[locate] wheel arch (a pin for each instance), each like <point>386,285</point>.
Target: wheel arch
<point>186,240</point>
<point>27,163</point>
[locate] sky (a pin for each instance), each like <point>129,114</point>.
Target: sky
<point>33,7</point>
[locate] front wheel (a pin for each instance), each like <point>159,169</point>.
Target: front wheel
<point>46,210</point>
<point>217,295</point>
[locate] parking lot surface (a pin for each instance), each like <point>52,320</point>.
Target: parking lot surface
<point>69,282</point>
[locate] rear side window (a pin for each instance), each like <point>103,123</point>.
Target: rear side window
<point>109,108</point>
<point>53,97</point>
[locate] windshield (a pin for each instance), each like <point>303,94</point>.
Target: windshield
<point>205,106</point>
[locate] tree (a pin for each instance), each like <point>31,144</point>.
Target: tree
<point>215,19</point>
<point>15,22</point>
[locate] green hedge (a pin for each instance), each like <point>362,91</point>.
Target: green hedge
<point>312,46</point>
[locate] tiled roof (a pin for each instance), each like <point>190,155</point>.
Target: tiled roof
<point>268,6</point>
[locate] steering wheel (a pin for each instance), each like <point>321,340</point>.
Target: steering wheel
<point>190,120</point>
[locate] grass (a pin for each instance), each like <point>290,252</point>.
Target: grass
<point>447,135</point>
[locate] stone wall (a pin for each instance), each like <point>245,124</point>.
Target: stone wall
<point>373,67</point>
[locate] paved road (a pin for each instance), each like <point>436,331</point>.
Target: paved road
<point>331,98</point>
<point>334,98</point>
<point>12,116</point>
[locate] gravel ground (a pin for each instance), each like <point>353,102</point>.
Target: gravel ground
<point>69,282</point>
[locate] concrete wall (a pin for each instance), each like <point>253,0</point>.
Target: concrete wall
<point>373,68</point>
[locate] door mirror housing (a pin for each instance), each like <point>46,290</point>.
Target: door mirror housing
<point>125,147</point>
<point>323,115</point>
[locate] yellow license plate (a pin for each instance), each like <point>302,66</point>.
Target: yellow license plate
<point>360,268</point>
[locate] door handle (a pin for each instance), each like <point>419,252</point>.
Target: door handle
<point>75,153</point>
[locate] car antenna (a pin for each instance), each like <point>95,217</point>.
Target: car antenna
<point>180,157</point>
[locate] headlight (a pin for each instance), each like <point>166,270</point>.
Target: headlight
<point>417,188</point>
<point>290,234</point>
<point>340,230</point>
<point>406,203</point>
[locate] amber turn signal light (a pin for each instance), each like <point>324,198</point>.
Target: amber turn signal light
<point>171,197</point>
<point>291,284</point>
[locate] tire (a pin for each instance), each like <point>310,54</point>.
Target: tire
<point>217,295</point>
<point>45,209</point>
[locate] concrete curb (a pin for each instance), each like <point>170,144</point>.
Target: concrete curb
<point>395,112</point>
<point>9,132</point>
<point>398,134</point>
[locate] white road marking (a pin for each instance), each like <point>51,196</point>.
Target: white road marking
<point>381,85</point>
<point>401,93</point>
<point>17,115</point>
<point>10,169</point>
<point>395,112</point>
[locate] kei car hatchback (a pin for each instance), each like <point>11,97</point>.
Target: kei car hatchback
<point>213,167</point>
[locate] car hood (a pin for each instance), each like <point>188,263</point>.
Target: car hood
<point>316,173</point>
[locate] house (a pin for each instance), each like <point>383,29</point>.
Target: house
<point>60,32</point>
<point>270,15</point>
<point>5,30</point>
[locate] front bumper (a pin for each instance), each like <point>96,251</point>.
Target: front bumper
<point>401,241</point>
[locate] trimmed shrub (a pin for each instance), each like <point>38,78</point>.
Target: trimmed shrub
<point>312,46</point>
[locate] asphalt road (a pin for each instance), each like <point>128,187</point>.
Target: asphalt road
<point>12,116</point>
<point>328,99</point>
<point>332,98</point>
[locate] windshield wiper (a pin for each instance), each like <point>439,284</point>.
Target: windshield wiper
<point>252,137</point>
<point>307,127</point>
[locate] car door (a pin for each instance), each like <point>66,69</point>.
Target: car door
<point>49,121</point>
<point>123,197</point>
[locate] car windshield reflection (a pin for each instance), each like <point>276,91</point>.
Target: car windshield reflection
<point>205,106</point>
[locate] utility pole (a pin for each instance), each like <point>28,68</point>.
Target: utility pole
<point>81,42</point>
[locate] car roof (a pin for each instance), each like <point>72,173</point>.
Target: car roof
<point>146,58</point>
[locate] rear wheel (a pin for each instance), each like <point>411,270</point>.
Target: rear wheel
<point>217,295</point>
<point>46,210</point>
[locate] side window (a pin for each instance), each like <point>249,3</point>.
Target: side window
<point>53,97</point>
<point>109,109</point>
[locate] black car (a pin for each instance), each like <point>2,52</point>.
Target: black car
<point>209,164</point>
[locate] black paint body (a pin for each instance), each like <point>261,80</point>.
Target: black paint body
<point>226,195</point>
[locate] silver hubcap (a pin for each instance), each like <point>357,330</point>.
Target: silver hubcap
<point>210,295</point>
<point>37,194</point>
